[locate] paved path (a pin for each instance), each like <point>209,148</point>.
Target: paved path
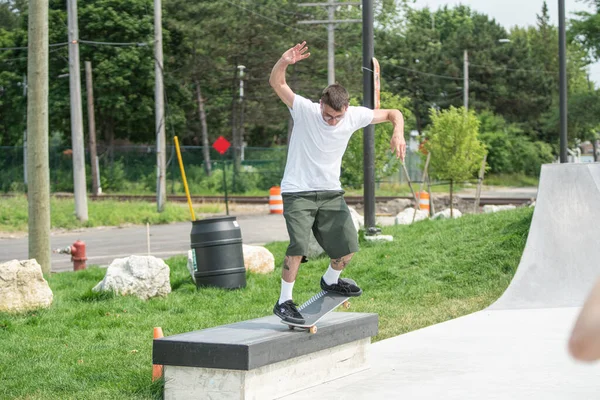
<point>106,244</point>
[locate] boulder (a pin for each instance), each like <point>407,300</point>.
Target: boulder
<point>258,259</point>
<point>396,206</point>
<point>406,216</point>
<point>23,287</point>
<point>492,209</point>
<point>141,276</point>
<point>445,214</point>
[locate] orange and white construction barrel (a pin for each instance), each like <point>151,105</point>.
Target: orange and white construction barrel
<point>423,201</point>
<point>275,200</point>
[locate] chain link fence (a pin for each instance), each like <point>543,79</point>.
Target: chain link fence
<point>132,170</point>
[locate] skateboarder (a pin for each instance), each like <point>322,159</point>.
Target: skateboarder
<point>311,190</point>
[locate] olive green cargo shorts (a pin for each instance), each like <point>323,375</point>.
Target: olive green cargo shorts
<point>327,215</point>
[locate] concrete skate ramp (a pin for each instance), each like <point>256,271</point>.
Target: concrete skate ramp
<point>561,260</point>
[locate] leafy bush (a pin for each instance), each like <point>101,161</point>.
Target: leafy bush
<point>112,177</point>
<point>509,150</point>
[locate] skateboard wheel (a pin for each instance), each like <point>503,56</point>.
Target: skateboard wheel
<point>313,329</point>
<point>346,304</point>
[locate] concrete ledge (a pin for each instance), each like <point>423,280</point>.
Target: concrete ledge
<point>260,342</point>
<point>270,381</point>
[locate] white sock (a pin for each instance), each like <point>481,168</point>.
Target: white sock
<point>286,291</point>
<point>331,276</point>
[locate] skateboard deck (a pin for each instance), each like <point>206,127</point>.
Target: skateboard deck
<point>317,307</point>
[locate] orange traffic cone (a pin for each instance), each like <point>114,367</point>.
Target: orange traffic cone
<point>157,369</point>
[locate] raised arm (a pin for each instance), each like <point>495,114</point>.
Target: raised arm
<point>397,144</point>
<point>277,79</point>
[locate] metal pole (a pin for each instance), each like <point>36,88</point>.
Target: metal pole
<point>331,44</point>
<point>562,51</point>
<point>161,170</point>
<point>466,80</point>
<point>38,190</point>
<point>79,184</point>
<point>96,189</point>
<point>25,134</point>
<point>369,131</point>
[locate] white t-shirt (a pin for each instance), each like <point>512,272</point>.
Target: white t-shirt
<point>316,148</point>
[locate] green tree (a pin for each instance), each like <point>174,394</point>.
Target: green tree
<point>585,29</point>
<point>452,140</point>
<point>509,150</point>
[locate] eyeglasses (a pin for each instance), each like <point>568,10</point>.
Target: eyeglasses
<point>328,117</point>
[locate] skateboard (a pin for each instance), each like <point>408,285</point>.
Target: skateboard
<point>317,307</point>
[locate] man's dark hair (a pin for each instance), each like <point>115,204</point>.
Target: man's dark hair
<point>335,96</point>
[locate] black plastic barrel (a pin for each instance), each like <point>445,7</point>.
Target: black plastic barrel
<point>219,257</point>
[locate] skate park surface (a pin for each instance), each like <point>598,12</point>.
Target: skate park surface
<point>517,347</point>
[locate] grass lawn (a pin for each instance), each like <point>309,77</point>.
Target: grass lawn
<point>99,346</point>
<point>14,214</point>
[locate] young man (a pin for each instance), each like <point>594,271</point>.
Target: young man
<point>311,189</point>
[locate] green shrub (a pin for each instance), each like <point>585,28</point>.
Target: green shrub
<point>112,177</point>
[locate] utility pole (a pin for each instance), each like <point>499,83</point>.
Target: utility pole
<point>331,4</point>
<point>96,189</point>
<point>368,131</point>
<point>79,184</point>
<point>25,134</point>
<point>241,131</point>
<point>562,55</point>
<point>466,80</point>
<point>38,171</point>
<point>161,159</point>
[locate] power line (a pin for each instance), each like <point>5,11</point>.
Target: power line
<point>25,48</point>
<point>512,69</point>
<point>25,57</point>
<point>269,19</point>
<point>423,73</point>
<point>141,44</point>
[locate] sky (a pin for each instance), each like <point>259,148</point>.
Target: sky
<point>517,12</point>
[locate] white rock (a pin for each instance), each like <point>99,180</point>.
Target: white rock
<point>258,259</point>
<point>141,276</point>
<point>406,216</point>
<point>397,205</point>
<point>190,264</point>
<point>445,214</point>
<point>380,238</point>
<point>359,220</point>
<point>492,209</point>
<point>23,287</point>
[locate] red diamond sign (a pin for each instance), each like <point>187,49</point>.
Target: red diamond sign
<point>221,145</point>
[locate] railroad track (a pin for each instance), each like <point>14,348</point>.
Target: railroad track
<point>351,200</point>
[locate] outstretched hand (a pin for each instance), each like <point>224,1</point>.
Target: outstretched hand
<point>296,53</point>
<point>398,146</point>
